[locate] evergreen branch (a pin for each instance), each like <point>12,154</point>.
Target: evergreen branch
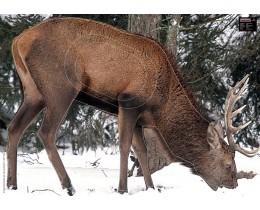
<point>210,20</point>
<point>205,76</point>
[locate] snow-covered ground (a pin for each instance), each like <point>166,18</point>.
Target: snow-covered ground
<point>176,187</point>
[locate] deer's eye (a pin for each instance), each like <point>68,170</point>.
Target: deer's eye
<point>228,168</point>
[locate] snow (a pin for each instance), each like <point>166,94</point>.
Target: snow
<point>176,187</point>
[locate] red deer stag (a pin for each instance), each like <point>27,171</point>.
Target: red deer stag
<point>65,59</point>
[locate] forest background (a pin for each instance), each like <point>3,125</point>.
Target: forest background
<point>212,55</point>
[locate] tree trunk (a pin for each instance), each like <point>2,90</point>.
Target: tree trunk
<point>146,25</point>
<point>149,26</point>
<point>156,157</point>
<point>172,33</point>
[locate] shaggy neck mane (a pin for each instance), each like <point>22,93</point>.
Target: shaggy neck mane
<point>181,78</point>
<point>184,120</point>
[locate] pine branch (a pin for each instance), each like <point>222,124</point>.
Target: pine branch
<point>210,20</point>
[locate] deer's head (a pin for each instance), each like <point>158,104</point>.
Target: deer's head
<point>218,166</point>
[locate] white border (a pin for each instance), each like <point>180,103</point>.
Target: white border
<point>129,7</point>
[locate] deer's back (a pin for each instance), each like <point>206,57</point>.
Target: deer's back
<point>96,58</point>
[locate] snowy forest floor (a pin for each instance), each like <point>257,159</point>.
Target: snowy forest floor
<point>176,187</point>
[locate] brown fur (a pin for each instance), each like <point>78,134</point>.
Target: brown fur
<point>60,60</point>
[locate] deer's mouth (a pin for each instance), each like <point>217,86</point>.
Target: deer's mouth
<point>215,188</point>
<point>228,186</point>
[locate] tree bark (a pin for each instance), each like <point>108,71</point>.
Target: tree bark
<point>149,26</point>
<point>172,33</point>
<point>156,157</point>
<point>146,25</point>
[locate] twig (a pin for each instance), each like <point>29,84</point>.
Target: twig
<point>246,175</point>
<point>25,155</point>
<point>111,187</point>
<point>45,190</point>
<point>104,173</point>
<point>205,76</point>
<point>95,163</point>
<point>136,164</point>
<point>8,87</point>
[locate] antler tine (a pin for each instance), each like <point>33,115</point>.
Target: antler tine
<point>246,152</point>
<point>235,147</point>
<point>234,94</point>
<point>235,129</point>
<point>245,81</point>
<point>238,111</point>
<point>233,97</point>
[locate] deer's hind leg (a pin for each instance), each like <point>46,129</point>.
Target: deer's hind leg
<point>32,104</point>
<point>57,104</point>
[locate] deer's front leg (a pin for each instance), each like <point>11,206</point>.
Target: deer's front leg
<point>127,119</point>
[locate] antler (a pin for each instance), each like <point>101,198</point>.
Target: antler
<point>233,96</point>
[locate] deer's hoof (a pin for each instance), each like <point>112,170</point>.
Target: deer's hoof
<point>12,187</point>
<point>71,191</point>
<point>122,191</point>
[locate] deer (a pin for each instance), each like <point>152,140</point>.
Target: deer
<point>60,60</point>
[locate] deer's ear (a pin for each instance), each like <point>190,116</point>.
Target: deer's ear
<point>214,134</point>
<point>219,129</point>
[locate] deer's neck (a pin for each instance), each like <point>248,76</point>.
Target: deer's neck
<point>182,128</point>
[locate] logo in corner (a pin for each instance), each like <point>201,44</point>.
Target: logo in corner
<point>248,23</point>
